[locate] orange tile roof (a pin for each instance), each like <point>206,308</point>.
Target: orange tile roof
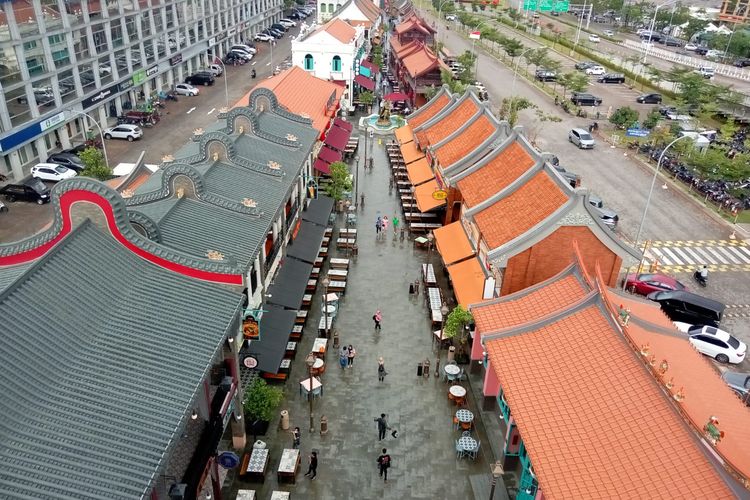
<point>467,279</point>
<point>411,24</point>
<point>369,9</point>
<point>496,175</point>
<point>466,142</point>
<point>420,62</point>
<point>519,308</point>
<point>521,210</point>
<point>423,195</point>
<point>395,44</point>
<point>452,243</point>
<point>408,48</point>
<point>705,391</point>
<point>419,171</point>
<point>594,422</point>
<point>433,107</point>
<point>410,152</point>
<point>301,93</point>
<point>404,134</point>
<point>338,29</point>
<point>459,115</point>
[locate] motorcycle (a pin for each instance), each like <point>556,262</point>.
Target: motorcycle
<point>700,279</point>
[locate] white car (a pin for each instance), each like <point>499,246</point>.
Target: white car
<point>691,46</point>
<point>287,22</point>
<point>714,342</point>
<point>581,138</point>
<point>596,70</point>
<point>450,17</point>
<point>713,53</point>
<point>186,89</point>
<point>608,33</point>
<point>262,37</point>
<point>124,131</point>
<point>594,38</point>
<point>52,172</point>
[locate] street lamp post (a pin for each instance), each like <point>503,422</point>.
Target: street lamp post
<point>515,77</point>
<point>356,178</point>
<point>440,18</point>
<point>101,133</point>
<point>310,361</point>
<point>473,44</point>
<point>226,85</point>
<point>326,282</point>
<point>497,472</point>
<point>651,31</point>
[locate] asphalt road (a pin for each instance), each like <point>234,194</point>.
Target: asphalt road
<point>623,183</point>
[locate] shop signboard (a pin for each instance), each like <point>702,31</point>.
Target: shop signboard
<point>175,60</point>
<point>139,77</point>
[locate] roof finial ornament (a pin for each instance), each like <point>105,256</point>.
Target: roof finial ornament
<point>713,434</point>
<point>214,255</point>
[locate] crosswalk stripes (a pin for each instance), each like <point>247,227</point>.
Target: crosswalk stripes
<point>737,311</point>
<point>683,256</point>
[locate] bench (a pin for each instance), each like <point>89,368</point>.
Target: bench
<point>291,350</point>
<point>296,333</point>
<point>301,318</point>
<point>340,263</point>
<point>307,300</point>
<point>423,227</point>
<point>315,273</point>
<point>311,285</point>
<point>419,216</point>
<point>277,377</point>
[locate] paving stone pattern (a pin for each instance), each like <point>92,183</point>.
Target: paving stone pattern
<point>424,459</point>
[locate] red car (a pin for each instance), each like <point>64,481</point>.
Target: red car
<point>644,284</point>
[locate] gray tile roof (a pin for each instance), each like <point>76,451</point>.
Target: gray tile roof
<point>100,360</point>
<point>8,274</point>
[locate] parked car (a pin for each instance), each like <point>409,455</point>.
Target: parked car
<point>596,70</point>
<point>611,78</point>
<point>653,98</point>
<point>450,17</point>
<point>581,138</point>
<point>608,216</point>
<point>124,131</point>
<point>214,69</point>
<point>714,342</point>
<point>643,284</point>
<point>245,48</point>
<point>287,22</point>
<point>52,172</point>
<point>240,54</point>
<point>583,99</point>
<point>702,50</point>
<point>186,89</point>
<point>713,53</point>
<point>673,42</point>
<point>742,62</point>
<point>279,27</point>
<point>29,190</point>
<point>545,75</point>
<point>681,305</point>
<point>69,160</point>
<point>739,383</point>
<point>262,37</point>
<point>200,78</point>
<point>706,72</point>
<point>585,65</point>
<point>594,38</point>
<point>608,33</point>
<point>690,46</point>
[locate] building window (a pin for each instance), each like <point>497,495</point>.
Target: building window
<point>330,8</point>
<point>336,64</point>
<point>322,8</point>
<point>309,63</point>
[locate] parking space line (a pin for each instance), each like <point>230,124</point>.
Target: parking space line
<point>190,110</point>
<point>212,110</point>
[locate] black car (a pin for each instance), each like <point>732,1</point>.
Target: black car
<point>649,99</point>
<point>702,51</point>
<point>611,78</point>
<point>583,99</point>
<point>30,190</point>
<point>688,307</point>
<point>278,27</point>
<point>585,65</point>
<point>69,160</point>
<point>742,62</point>
<point>544,75</point>
<point>673,42</point>
<point>200,78</point>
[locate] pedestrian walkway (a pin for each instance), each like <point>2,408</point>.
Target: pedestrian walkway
<point>423,454</point>
<point>683,256</point>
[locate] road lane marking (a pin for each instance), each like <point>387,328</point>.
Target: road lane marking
<point>191,110</point>
<point>212,110</point>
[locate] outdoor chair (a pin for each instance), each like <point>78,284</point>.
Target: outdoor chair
<point>460,452</point>
<point>473,453</point>
<point>466,434</point>
<point>455,423</point>
<point>466,426</point>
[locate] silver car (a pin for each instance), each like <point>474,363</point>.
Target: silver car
<point>581,138</point>
<point>739,383</point>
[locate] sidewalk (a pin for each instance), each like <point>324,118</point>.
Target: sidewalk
<point>424,459</point>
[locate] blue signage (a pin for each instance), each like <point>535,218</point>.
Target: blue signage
<point>637,132</point>
<point>228,460</point>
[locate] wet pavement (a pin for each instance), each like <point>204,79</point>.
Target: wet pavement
<point>423,455</point>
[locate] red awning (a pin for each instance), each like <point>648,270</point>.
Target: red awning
<point>337,138</point>
<point>370,65</point>
<point>343,124</point>
<point>396,96</point>
<point>365,82</point>
<point>329,155</point>
<point>322,167</point>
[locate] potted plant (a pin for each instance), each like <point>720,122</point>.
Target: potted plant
<point>456,327</point>
<point>260,403</point>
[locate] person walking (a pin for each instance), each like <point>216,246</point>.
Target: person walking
<point>395,223</point>
<point>297,437</point>
<point>378,227</point>
<point>312,470</point>
<point>381,370</point>
<point>384,463</point>
<point>385,223</point>
<point>377,318</point>
<point>343,357</point>
<point>382,421</point>
<point>351,353</point>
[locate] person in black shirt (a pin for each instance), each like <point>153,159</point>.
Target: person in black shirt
<point>312,470</point>
<point>384,463</point>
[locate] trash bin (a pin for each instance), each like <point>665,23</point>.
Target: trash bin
<point>323,425</point>
<point>419,369</point>
<point>451,353</point>
<point>285,419</point>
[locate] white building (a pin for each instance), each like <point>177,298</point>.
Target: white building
<point>355,12</point>
<point>331,52</point>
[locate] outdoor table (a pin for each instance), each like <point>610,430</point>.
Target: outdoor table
<point>328,232</point>
<point>436,316</point>
<point>291,350</point>
<point>307,300</point>
<point>301,317</point>
<point>280,495</point>
<point>319,260</point>
<point>408,206</point>
<point>304,387</point>
<point>457,391</point>
<point>434,298</point>
<point>285,366</point>
<point>326,240</point>
<point>319,367</point>
<point>311,285</point>
<point>315,273</point>
<point>323,252</point>
<point>352,233</point>
<point>424,227</point>
<point>465,416</point>
<point>329,309</point>
<point>245,495</point>
<point>428,274</point>
<point>256,467</point>
<point>340,263</point>
<point>338,274</point>
<point>345,242</point>
<point>467,443</point>
<point>452,369</point>
<point>318,344</point>
<point>337,286</point>
<point>288,466</point>
<point>322,324</point>
<point>332,297</point>
<point>404,191</point>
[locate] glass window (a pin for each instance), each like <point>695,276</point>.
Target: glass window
<point>130,25</point>
<point>9,67</point>
<point>51,13</point>
<point>35,64</point>
<point>95,9</point>
<point>309,62</point>
<point>117,37</point>
<point>67,86</point>
<point>74,13</point>
<point>113,8</point>
<point>81,44</point>
<point>100,38</point>
<point>88,82</point>
<point>18,105</point>
<point>25,17</point>
<point>136,57</point>
<point>146,24</point>
<point>336,64</point>
<point>121,61</point>
<point>330,8</point>
<point>158,22</point>
<point>106,73</point>
<point>149,50</point>
<point>322,8</point>
<point>61,58</point>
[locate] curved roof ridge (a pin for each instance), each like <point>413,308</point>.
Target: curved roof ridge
<point>496,151</point>
<point>444,91</point>
<point>66,193</point>
<point>449,109</point>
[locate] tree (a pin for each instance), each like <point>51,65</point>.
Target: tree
<point>366,97</point>
<point>541,119</point>
<point>728,130</point>
<point>341,180</point>
<point>455,86</point>
<point>694,27</point>
<point>96,167</point>
<point>652,119</point>
<point>511,106</point>
<point>624,117</point>
<point>261,400</point>
<point>454,326</point>
<point>513,47</point>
